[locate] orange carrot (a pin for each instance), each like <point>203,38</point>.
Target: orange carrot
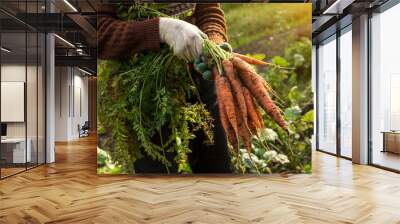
<point>266,85</point>
<point>252,110</point>
<point>250,60</point>
<point>252,125</point>
<point>224,94</point>
<point>240,58</point>
<point>244,132</point>
<point>259,116</point>
<point>233,139</point>
<point>258,90</point>
<point>229,132</point>
<point>222,116</point>
<point>237,88</point>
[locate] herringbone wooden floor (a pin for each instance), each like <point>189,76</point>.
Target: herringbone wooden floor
<point>69,191</point>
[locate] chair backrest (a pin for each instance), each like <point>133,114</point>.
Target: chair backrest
<point>86,125</point>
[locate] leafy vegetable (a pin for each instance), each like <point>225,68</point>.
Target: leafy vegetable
<point>148,104</point>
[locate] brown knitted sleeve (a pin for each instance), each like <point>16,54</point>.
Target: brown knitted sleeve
<point>118,38</point>
<point>211,20</point>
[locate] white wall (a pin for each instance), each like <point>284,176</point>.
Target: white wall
<point>71,94</point>
<point>62,81</point>
<point>80,109</point>
<point>12,73</point>
<point>33,127</point>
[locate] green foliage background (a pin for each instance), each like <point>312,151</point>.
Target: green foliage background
<point>280,33</point>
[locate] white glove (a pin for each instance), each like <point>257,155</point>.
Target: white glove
<point>185,39</point>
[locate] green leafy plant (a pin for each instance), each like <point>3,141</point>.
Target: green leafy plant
<point>274,149</point>
<point>148,105</point>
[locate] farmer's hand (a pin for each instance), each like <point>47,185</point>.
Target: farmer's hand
<point>185,39</point>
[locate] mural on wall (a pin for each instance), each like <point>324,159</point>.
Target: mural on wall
<point>206,88</point>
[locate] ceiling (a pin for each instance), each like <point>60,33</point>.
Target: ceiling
<point>18,53</point>
<point>331,15</point>
<point>74,22</point>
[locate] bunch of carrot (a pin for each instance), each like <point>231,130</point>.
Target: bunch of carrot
<point>239,92</point>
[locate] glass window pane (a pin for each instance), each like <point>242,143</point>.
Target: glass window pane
<point>327,96</point>
<point>385,114</point>
<point>346,94</point>
<point>14,153</point>
<point>23,90</point>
